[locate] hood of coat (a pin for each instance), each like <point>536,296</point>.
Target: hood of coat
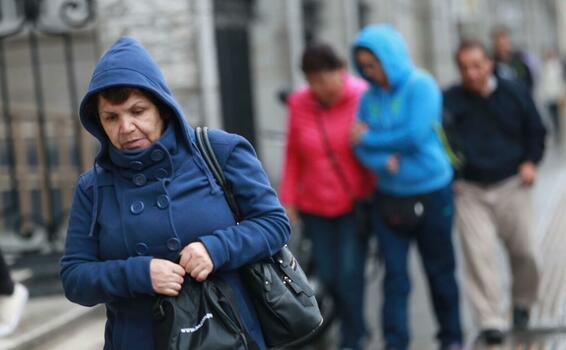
<point>127,62</point>
<point>389,46</point>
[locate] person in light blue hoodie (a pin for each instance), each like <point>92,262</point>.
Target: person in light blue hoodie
<point>397,137</point>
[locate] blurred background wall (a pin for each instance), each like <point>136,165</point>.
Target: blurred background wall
<point>227,62</point>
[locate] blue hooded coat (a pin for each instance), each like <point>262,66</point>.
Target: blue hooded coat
<point>401,120</point>
<point>135,206</point>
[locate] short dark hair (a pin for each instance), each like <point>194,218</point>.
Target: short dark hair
<point>119,94</point>
<point>471,44</point>
<point>320,57</point>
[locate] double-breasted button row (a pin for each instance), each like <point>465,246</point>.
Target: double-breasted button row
<point>162,202</point>
<point>140,179</point>
<point>173,245</point>
<point>156,156</point>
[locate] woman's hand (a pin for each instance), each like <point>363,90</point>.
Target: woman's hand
<point>196,261</point>
<point>166,277</point>
<point>357,132</point>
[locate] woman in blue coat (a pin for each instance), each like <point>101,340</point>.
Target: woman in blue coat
<point>150,198</point>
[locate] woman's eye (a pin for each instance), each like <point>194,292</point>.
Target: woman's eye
<point>137,111</point>
<point>110,118</point>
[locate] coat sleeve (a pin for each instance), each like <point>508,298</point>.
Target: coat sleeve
<point>425,104</point>
<point>265,227</point>
<point>86,279</point>
<point>291,166</point>
<point>534,129</point>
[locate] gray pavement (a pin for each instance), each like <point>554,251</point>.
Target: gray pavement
<point>53,323</point>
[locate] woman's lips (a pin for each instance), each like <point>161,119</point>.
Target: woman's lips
<point>134,144</point>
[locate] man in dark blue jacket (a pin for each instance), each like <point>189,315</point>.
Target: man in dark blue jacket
<point>498,131</point>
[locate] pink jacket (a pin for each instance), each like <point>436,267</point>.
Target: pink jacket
<point>310,181</point>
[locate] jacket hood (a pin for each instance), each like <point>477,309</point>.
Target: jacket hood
<point>128,63</point>
<point>389,46</point>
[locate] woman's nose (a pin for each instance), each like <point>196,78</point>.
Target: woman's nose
<point>127,125</point>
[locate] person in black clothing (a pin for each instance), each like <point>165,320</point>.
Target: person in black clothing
<point>510,64</point>
<point>495,126</point>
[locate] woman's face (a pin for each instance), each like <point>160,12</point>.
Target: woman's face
<point>372,68</point>
<point>134,124</point>
<point>326,85</point>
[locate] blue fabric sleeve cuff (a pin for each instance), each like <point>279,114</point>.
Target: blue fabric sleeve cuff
<point>138,275</point>
<point>215,249</point>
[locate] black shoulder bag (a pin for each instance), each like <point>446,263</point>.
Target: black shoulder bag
<point>284,301</point>
<point>203,316</point>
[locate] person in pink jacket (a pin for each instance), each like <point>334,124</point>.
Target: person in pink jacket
<point>322,178</point>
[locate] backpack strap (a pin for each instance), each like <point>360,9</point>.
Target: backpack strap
<point>205,147</point>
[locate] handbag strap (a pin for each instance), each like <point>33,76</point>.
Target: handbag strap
<point>205,147</point>
<point>332,156</point>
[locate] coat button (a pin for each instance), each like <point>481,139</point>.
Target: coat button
<point>136,207</point>
<point>161,173</point>
<point>163,201</point>
<point>136,165</point>
<point>173,244</point>
<point>139,179</point>
<point>157,155</point>
<point>141,248</point>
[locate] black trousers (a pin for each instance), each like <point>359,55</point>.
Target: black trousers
<point>6,282</point>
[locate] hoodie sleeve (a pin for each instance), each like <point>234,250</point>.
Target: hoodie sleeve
<point>87,280</point>
<point>265,227</point>
<point>425,102</point>
<point>371,158</point>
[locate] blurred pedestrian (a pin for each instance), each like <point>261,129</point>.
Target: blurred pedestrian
<point>397,138</point>
<point>510,64</point>
<point>322,179</point>
<point>501,138</point>
<point>13,299</point>
<point>149,213</point>
<point>552,90</point>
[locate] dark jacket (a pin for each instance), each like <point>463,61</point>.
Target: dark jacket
<point>516,68</point>
<point>134,206</point>
<point>495,134</point>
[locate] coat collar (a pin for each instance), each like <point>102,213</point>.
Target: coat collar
<point>158,161</point>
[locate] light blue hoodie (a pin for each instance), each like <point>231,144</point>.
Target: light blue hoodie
<point>401,120</point>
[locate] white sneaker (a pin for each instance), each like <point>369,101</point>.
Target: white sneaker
<point>12,308</point>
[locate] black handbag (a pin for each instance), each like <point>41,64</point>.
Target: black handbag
<point>403,214</point>
<point>202,316</point>
<point>284,301</point>
<point>363,207</point>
